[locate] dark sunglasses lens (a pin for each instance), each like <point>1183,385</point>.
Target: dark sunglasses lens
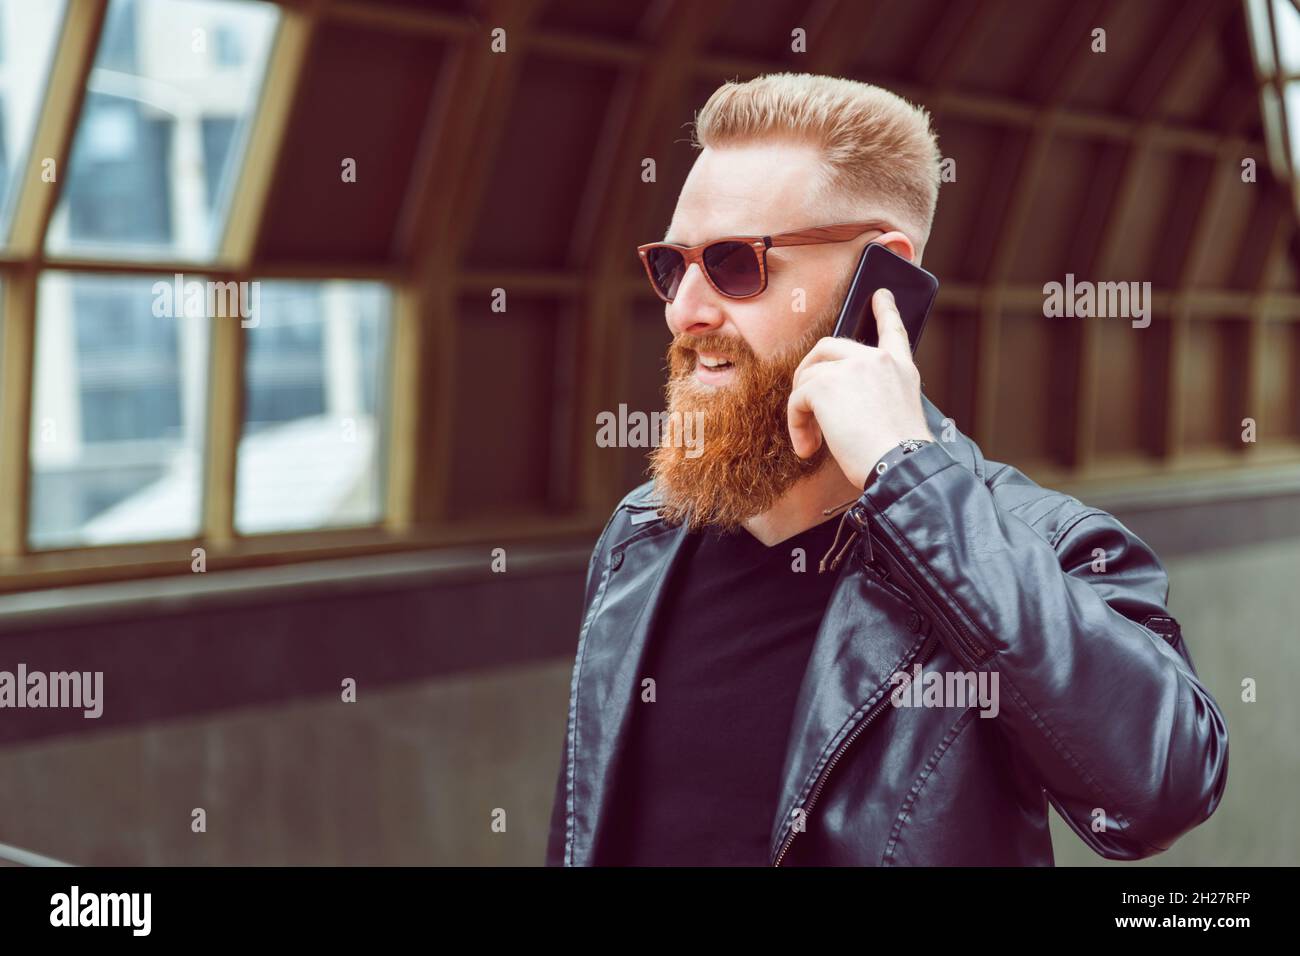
<point>734,267</point>
<point>666,270</point>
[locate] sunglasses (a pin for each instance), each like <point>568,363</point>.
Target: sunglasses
<point>736,266</point>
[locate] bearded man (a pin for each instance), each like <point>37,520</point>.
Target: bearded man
<point>742,633</point>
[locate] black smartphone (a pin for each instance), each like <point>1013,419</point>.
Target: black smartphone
<point>914,291</point>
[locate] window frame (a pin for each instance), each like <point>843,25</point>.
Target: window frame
<point>410,517</point>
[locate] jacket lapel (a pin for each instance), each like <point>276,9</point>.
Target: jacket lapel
<point>610,674</point>
<point>858,648</point>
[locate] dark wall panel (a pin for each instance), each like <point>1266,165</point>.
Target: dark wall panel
<point>366,96</point>
<point>505,407</point>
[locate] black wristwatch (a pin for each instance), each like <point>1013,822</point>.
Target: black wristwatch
<point>892,457</point>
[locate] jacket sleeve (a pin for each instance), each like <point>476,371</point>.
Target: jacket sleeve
<point>1110,715</point>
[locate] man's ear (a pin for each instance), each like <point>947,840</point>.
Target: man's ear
<point>898,243</point>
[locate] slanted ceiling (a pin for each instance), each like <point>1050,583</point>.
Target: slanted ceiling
<point>1123,165</point>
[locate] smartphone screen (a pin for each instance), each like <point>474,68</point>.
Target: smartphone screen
<point>914,290</point>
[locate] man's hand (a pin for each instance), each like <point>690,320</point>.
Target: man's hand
<point>861,400</point>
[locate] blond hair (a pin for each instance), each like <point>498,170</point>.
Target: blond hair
<point>877,146</point>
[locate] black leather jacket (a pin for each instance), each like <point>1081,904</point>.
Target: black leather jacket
<point>961,564</point>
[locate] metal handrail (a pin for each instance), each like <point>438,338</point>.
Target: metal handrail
<point>19,857</point>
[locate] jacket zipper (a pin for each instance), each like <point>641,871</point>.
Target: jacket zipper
<point>975,650</point>
<point>881,573</point>
<point>923,657</point>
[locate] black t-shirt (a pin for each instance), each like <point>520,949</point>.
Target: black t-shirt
<point>699,775</point>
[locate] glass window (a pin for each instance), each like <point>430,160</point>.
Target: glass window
<point>316,358</point>
<point>118,411</point>
<point>1286,18</point>
<point>1291,103</point>
<point>28,32</point>
<point>230,45</point>
<point>1279,95</point>
<point>158,145</point>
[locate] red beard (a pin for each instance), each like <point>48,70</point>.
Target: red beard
<point>747,462</point>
